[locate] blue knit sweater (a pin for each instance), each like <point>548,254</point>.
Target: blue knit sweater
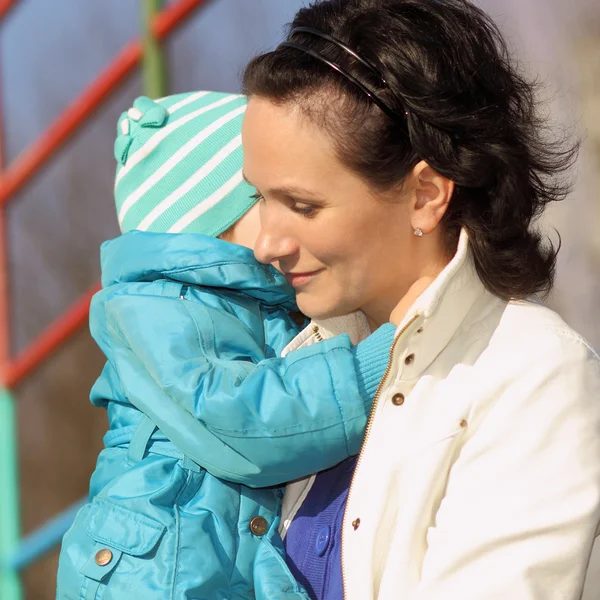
<point>313,541</point>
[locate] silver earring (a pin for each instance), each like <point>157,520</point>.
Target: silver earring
<point>418,232</point>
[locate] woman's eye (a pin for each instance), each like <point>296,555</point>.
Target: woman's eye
<point>306,210</point>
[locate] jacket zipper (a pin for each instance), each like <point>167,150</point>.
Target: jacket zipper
<point>367,433</point>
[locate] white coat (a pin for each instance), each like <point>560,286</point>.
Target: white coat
<point>479,476</point>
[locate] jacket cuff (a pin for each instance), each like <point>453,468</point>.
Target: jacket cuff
<point>372,355</point>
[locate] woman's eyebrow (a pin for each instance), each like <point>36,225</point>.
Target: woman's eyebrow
<point>292,191</point>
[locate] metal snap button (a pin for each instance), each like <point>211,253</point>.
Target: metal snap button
<point>410,359</point>
<point>398,399</point>
<point>103,557</point>
<point>259,526</point>
<point>322,541</point>
<point>356,524</point>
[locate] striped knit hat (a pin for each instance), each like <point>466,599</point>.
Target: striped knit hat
<point>180,164</point>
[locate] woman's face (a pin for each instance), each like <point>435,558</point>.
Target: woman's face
<point>340,245</point>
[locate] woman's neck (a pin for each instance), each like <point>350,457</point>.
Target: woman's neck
<point>393,303</point>
<point>392,310</point>
<point>398,294</point>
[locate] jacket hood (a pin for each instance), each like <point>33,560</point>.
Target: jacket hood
<point>192,259</point>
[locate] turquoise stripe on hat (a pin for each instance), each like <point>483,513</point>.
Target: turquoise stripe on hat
<point>176,154</point>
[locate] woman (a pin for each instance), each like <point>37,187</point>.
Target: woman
<point>413,171</point>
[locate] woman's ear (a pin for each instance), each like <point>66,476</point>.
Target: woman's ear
<point>432,194</point>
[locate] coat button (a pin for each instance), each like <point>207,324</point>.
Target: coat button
<point>259,526</point>
<point>356,524</point>
<point>398,399</point>
<point>410,359</point>
<point>322,541</point>
<point>103,557</point>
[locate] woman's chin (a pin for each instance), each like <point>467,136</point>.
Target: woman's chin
<point>317,307</point>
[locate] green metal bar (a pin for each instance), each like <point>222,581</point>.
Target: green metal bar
<point>10,522</point>
<point>153,61</point>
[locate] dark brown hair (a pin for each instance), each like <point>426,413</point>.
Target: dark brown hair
<point>469,113</point>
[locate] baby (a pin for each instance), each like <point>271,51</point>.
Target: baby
<point>205,418</point>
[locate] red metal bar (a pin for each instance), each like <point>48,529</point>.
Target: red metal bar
<point>4,304</point>
<point>1,127</point>
<point>57,333</point>
<point>82,107</point>
<point>5,6</point>
<point>66,124</point>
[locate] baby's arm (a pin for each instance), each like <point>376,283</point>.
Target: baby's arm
<point>245,418</point>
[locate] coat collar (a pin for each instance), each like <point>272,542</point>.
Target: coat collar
<point>192,259</point>
<point>453,292</point>
<point>437,314</point>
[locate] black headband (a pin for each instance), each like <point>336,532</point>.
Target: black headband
<point>329,38</point>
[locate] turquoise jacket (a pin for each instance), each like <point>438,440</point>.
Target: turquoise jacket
<point>205,421</point>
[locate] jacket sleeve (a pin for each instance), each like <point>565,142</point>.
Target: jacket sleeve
<point>244,418</point>
<point>522,504</point>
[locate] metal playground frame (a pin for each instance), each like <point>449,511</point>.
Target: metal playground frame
<point>159,22</point>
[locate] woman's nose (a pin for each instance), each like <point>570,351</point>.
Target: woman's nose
<point>273,245</point>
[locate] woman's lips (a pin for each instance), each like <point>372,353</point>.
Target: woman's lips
<point>300,279</point>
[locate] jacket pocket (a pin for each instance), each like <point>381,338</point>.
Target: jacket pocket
<point>122,528</point>
<point>114,547</point>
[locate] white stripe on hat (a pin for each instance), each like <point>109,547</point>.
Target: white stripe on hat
<point>161,134</point>
<point>175,159</point>
<point>207,204</point>
<point>190,183</point>
<point>189,98</point>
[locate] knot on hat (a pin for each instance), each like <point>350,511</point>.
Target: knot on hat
<point>143,115</point>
